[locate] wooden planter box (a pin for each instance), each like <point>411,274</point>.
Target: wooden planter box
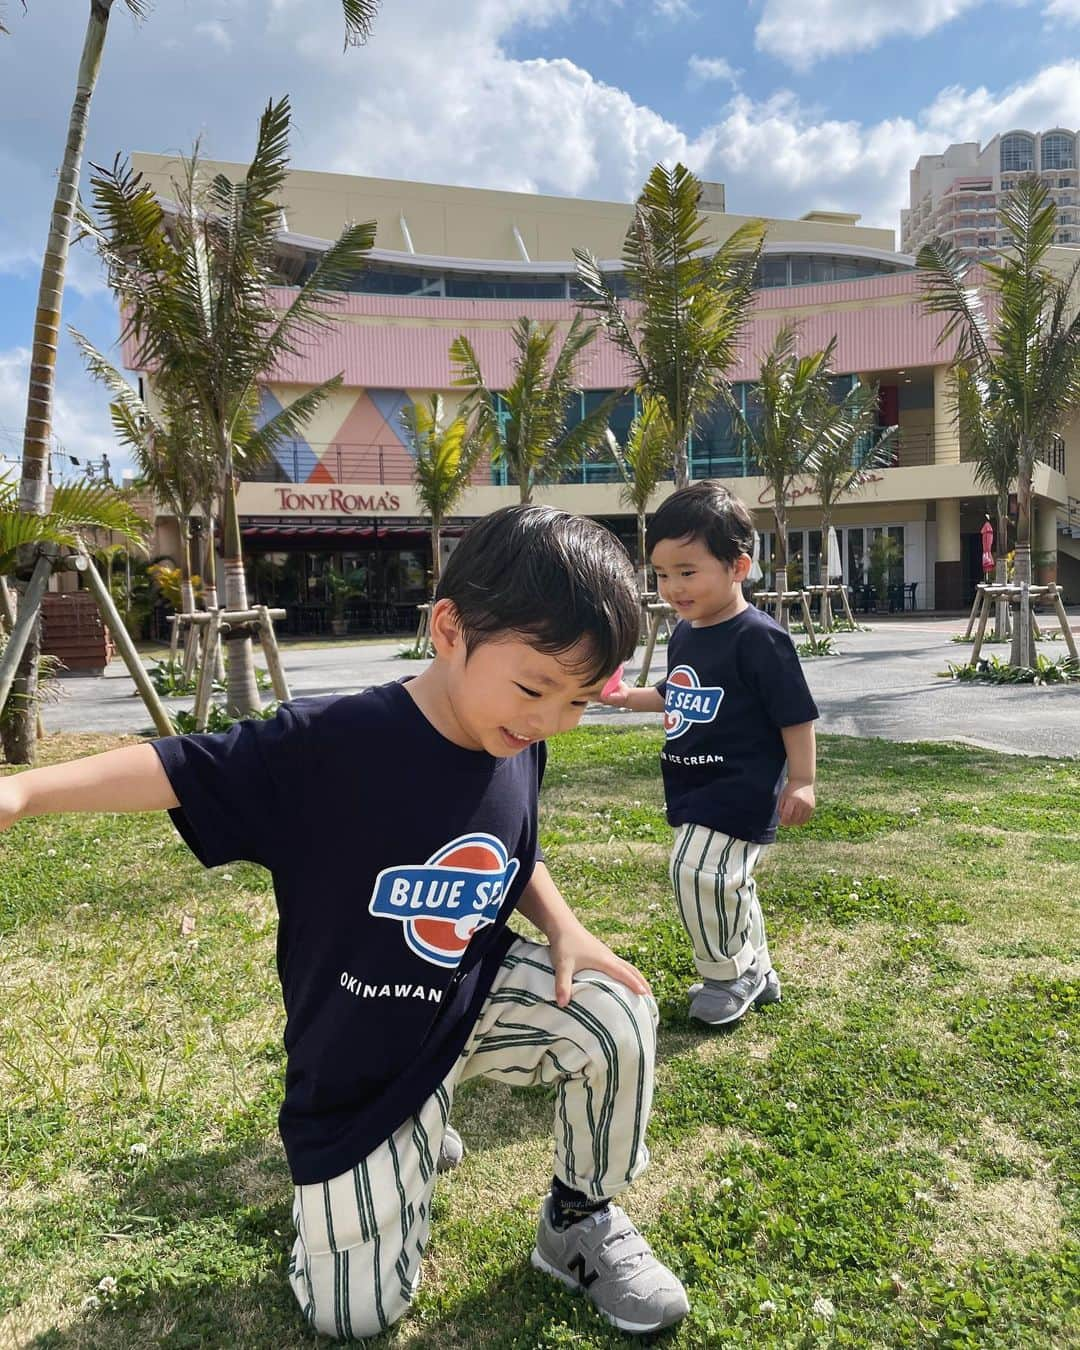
<point>73,632</point>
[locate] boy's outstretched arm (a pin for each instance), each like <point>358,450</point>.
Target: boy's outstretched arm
<point>630,696</point>
<point>131,779</point>
<point>573,947</point>
<point>797,801</point>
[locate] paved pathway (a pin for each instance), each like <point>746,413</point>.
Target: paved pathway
<point>884,682</point>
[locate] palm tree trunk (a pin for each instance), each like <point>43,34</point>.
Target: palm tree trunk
<point>823,572</point>
<point>210,595</point>
<point>1023,647</point>
<point>242,695</point>
<point>20,738</point>
<point>681,459</point>
<point>436,532</point>
<point>780,572</point>
<point>187,598</point>
<point>1001,609</point>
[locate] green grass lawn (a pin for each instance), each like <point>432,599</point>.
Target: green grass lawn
<point>889,1158</point>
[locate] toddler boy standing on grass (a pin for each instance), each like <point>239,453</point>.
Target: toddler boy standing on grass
<point>400,826</point>
<point>737,714</point>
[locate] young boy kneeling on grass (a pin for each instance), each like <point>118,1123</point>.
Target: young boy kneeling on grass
<point>400,826</point>
<point>739,753</point>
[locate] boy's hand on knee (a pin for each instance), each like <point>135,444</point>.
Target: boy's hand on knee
<point>575,948</point>
<point>797,802</point>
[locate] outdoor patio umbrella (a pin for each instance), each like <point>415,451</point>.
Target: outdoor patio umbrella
<point>987,532</point>
<point>836,567</point>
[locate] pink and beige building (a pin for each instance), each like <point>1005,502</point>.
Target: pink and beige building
<point>451,260</point>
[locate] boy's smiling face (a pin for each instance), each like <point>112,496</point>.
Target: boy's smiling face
<point>696,583</point>
<point>504,695</point>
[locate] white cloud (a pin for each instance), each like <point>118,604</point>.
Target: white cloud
<point>215,32</point>
<point>800,33</point>
<point>80,418</point>
<point>704,69</point>
<point>1063,11</point>
<point>674,9</point>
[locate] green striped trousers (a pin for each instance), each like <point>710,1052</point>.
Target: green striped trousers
<point>712,874</point>
<point>360,1237</point>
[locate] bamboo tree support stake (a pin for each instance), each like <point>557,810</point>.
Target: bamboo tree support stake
<point>206,670</point>
<point>983,596</point>
<point>23,626</point>
<point>174,639</point>
<point>1063,619</point>
<point>847,606</point>
<point>7,607</point>
<point>126,648</point>
<point>807,620</point>
<point>976,605</point>
<point>272,652</point>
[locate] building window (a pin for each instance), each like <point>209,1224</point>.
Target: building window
<point>1017,153</point>
<point>1058,151</point>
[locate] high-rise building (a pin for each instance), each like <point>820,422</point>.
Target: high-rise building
<point>957,195</point>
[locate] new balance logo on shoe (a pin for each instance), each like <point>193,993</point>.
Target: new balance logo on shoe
<point>576,1265</point>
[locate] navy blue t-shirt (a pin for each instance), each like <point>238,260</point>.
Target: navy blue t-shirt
<point>729,689</point>
<point>397,858</point>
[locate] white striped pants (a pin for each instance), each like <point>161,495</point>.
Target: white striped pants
<point>356,1261</point>
<point>712,874</point>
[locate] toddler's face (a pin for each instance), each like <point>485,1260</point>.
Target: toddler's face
<point>697,585</point>
<point>506,694</point>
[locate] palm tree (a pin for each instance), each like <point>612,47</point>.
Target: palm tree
<point>992,443</point>
<point>444,459</point>
<point>359,18</point>
<point>838,463</point>
<point>1026,349</point>
<point>644,462</point>
<point>788,409</point>
<point>76,510</point>
<point>694,300</point>
<point>194,287</point>
<point>524,426</point>
<point>169,450</point>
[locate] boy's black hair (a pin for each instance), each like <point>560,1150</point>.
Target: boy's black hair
<point>552,578</point>
<point>705,511</point>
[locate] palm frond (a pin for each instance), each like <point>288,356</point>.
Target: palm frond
<point>286,425</point>
<point>948,291</point>
<point>359,20</point>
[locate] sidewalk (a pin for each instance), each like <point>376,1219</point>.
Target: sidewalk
<point>882,682</point>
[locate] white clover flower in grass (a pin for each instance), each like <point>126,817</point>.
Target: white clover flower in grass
<point>50,853</point>
<point>853,895</point>
<point>226,876</point>
<point>923,1198</point>
<point>766,1307</point>
<point>137,1151</point>
<point>726,1183</point>
<point>90,1303</point>
<point>791,1106</point>
<point>107,1285</point>
<point>823,1307</point>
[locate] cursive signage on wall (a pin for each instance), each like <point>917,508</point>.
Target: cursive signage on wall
<point>765,496</point>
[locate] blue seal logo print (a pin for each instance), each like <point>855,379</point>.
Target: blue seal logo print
<point>441,904</point>
<point>687,702</point>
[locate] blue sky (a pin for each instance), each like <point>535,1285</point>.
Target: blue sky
<point>793,104</point>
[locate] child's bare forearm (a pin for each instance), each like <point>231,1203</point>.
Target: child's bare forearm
<point>800,746</point>
<point>626,695</point>
<point>131,779</point>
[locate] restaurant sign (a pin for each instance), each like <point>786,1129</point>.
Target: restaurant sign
<point>337,501</point>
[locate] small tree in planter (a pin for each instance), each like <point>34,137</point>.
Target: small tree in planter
<point>341,591</point>
<point>883,557</point>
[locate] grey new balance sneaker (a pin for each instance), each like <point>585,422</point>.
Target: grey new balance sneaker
<point>719,1002</point>
<point>451,1151</point>
<point>770,994</point>
<point>606,1257</point>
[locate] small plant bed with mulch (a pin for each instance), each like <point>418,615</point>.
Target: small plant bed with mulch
<point>991,670</point>
<point>888,1158</point>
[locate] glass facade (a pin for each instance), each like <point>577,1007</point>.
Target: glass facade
<point>1017,153</point>
<point>775,270</point>
<point>1058,150</point>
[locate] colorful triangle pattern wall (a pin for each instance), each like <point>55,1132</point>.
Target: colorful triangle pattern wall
<point>368,446</point>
